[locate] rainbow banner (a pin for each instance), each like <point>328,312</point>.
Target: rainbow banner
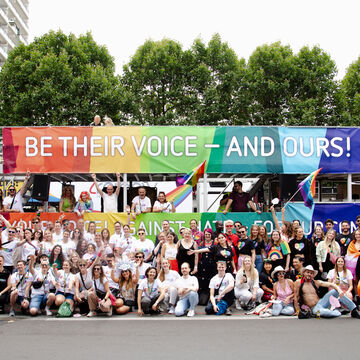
<point>176,149</point>
<point>307,188</point>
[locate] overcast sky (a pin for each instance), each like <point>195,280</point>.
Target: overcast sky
<point>122,26</point>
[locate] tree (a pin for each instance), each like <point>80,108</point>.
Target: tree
<point>58,80</point>
<point>351,88</point>
<point>154,83</point>
<point>316,98</point>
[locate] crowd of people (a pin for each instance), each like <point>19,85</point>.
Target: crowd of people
<point>233,266</point>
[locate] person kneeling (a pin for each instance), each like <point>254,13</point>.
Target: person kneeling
<point>221,291</point>
<point>187,287</point>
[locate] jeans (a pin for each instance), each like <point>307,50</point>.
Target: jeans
<point>188,302</point>
<point>37,301</point>
<point>258,263</point>
<point>324,304</point>
<point>282,309</point>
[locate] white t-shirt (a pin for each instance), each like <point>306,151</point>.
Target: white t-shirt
<point>27,249</point>
<point>149,290</point>
<point>57,238</point>
<point>164,207</point>
<point>141,204</point>
<point>64,280</point>
<point>110,202</point>
<point>189,282</point>
<point>220,281</point>
<point>47,279</point>
<point>16,278</point>
<point>125,244</point>
<point>341,280</point>
<point>90,238</point>
<point>7,251</point>
<point>142,270</point>
<point>87,280</point>
<point>98,285</point>
<point>114,238</point>
<point>67,247</point>
<point>170,278</point>
<point>146,246</point>
<point>47,247</point>
<point>107,272</point>
<point>17,205</point>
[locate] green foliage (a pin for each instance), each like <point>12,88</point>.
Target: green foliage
<point>351,88</point>
<point>58,80</point>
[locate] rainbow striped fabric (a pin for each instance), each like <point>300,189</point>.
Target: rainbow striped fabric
<point>307,188</point>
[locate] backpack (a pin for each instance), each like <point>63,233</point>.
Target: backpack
<point>64,310</point>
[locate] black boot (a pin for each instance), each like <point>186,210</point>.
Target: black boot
<point>355,314</point>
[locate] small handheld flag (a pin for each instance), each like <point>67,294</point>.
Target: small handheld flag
<point>307,188</point>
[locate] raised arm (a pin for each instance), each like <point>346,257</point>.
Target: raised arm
<point>117,192</point>
<point>23,187</point>
<point>5,222</point>
<point>276,221</point>
<point>97,185</point>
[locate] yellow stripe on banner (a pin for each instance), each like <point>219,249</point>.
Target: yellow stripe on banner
<point>114,151</point>
<point>106,220</point>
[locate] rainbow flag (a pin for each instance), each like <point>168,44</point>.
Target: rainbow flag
<point>179,194</point>
<point>307,188</point>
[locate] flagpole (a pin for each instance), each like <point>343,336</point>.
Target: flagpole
<point>292,197</point>
<point>233,180</point>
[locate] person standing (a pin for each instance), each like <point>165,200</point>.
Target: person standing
<point>110,198</point>
<point>13,202</point>
<point>140,204</point>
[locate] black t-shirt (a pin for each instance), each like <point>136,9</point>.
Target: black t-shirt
<point>344,241</point>
<point>244,247</point>
<point>259,246</point>
<point>4,275</point>
<point>222,254</point>
<point>266,280</point>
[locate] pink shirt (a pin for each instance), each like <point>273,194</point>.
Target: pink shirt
<point>281,293</point>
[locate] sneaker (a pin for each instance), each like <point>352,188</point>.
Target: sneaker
<point>47,311</point>
<point>172,310</point>
<point>109,313</point>
<point>12,313</point>
<point>91,314</point>
<point>355,314</point>
<point>191,313</point>
<point>238,305</point>
<point>228,312</point>
<point>251,306</point>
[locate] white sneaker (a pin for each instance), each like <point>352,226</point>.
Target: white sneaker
<point>91,314</point>
<point>110,312</point>
<point>191,313</point>
<point>238,305</point>
<point>12,313</point>
<point>47,311</point>
<point>172,310</point>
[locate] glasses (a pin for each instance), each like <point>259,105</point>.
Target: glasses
<point>44,265</point>
<point>243,232</point>
<point>237,226</point>
<point>11,232</point>
<point>97,269</point>
<point>141,233</point>
<point>11,189</point>
<point>35,222</point>
<point>82,265</point>
<point>229,226</point>
<point>281,273</point>
<point>65,224</point>
<point>139,257</point>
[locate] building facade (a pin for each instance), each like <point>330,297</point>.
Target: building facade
<point>14,25</point>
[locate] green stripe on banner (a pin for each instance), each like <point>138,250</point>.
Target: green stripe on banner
<point>152,222</point>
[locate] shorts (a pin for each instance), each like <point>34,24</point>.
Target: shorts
<point>37,301</point>
<point>68,296</point>
<point>20,299</point>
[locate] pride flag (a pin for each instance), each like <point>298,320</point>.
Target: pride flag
<point>307,188</point>
<point>187,182</point>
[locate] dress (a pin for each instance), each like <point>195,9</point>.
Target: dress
<point>182,256</point>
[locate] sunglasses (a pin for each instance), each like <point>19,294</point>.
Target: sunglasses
<point>229,226</point>
<point>11,232</point>
<point>11,189</point>
<point>97,268</point>
<point>35,222</point>
<point>139,257</point>
<point>281,273</point>
<point>242,232</point>
<point>141,233</point>
<point>82,265</point>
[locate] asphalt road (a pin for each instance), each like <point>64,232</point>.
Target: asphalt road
<point>167,338</point>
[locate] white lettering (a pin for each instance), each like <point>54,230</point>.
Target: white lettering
<point>157,143</point>
<point>94,146</point>
<point>248,144</point>
<point>65,140</point>
<point>302,146</point>
<point>31,146</point>
<point>172,145</point>
<point>118,147</point>
<point>270,147</point>
<point>322,144</point>
<point>80,146</point>
<point>234,146</point>
<point>136,147</point>
<point>188,145</point>
<point>336,146</point>
<point>44,146</point>
<point>286,151</point>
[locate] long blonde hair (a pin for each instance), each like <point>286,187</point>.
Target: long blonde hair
<point>252,268</point>
<point>333,241</point>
